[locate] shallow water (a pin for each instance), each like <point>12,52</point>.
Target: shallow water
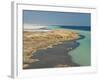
<point>82,54</point>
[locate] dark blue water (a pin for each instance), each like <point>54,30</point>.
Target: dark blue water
<point>86,28</point>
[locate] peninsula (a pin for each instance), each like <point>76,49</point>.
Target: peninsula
<point>39,40</point>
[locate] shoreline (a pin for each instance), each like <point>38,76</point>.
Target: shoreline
<point>35,41</point>
<point>55,57</point>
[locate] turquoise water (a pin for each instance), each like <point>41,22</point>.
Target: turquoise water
<point>82,54</point>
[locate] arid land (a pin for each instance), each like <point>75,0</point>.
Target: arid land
<point>35,41</point>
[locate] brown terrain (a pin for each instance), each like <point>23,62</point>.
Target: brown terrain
<point>34,41</point>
